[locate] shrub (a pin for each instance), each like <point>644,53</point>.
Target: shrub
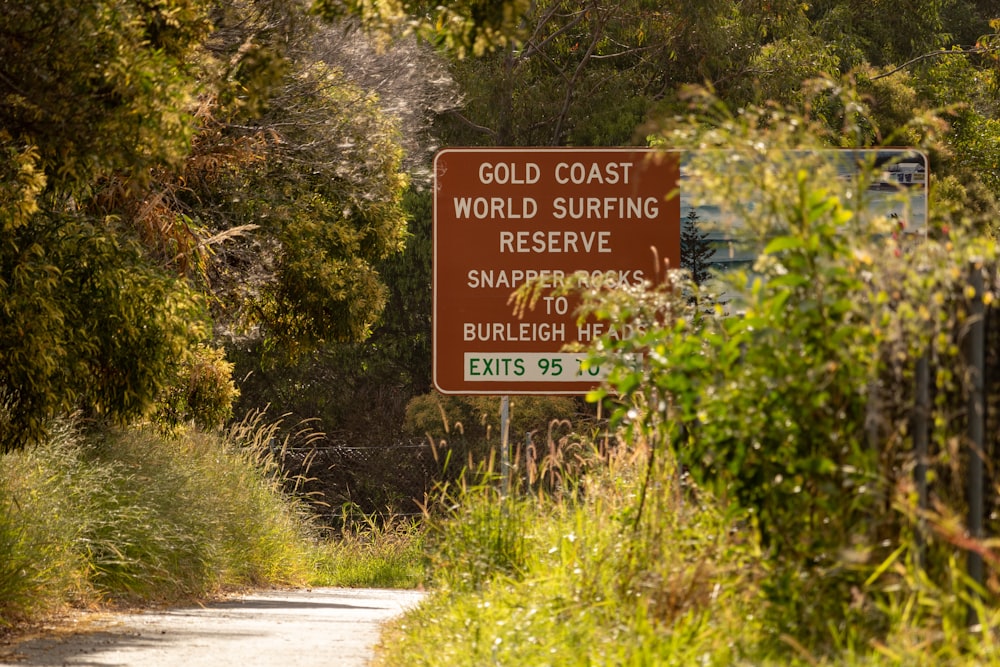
<point>792,400</point>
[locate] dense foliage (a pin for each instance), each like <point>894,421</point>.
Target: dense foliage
<point>793,400</point>
<point>759,505</point>
<point>206,209</point>
<point>225,158</point>
<point>137,141</point>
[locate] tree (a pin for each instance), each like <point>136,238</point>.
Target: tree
<point>297,170</point>
<point>592,74</point>
<point>696,251</point>
<point>325,194</point>
<point>877,34</point>
<point>557,86</point>
<point>409,78</point>
<point>391,365</point>
<point>87,91</point>
<point>98,87</point>
<point>134,139</point>
<point>380,373</point>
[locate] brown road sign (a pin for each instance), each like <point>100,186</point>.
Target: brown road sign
<point>508,215</point>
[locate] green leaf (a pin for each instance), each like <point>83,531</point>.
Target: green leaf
<point>783,243</point>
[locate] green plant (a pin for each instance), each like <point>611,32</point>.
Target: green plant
<point>769,402</point>
<point>479,534</point>
<point>696,251</point>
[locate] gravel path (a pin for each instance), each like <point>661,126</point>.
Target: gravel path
<point>298,628</point>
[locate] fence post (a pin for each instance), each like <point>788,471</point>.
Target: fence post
<point>977,418</point>
<point>920,445</point>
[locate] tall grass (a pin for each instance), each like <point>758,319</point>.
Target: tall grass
<point>370,551</point>
<point>133,516</point>
<point>576,579</point>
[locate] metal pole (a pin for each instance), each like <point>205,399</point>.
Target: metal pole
<point>977,412</point>
<point>505,444</point>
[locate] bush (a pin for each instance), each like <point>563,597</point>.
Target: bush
<point>792,399</point>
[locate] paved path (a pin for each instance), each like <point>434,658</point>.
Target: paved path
<point>332,627</point>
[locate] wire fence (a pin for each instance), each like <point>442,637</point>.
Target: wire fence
<point>380,481</point>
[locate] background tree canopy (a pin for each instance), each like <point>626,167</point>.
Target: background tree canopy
<point>247,174</point>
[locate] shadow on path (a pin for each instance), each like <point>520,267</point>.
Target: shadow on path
<point>301,628</point>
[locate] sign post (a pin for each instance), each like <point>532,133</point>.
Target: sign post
<point>506,216</point>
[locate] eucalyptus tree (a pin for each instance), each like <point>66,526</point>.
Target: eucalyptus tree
<point>878,34</point>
